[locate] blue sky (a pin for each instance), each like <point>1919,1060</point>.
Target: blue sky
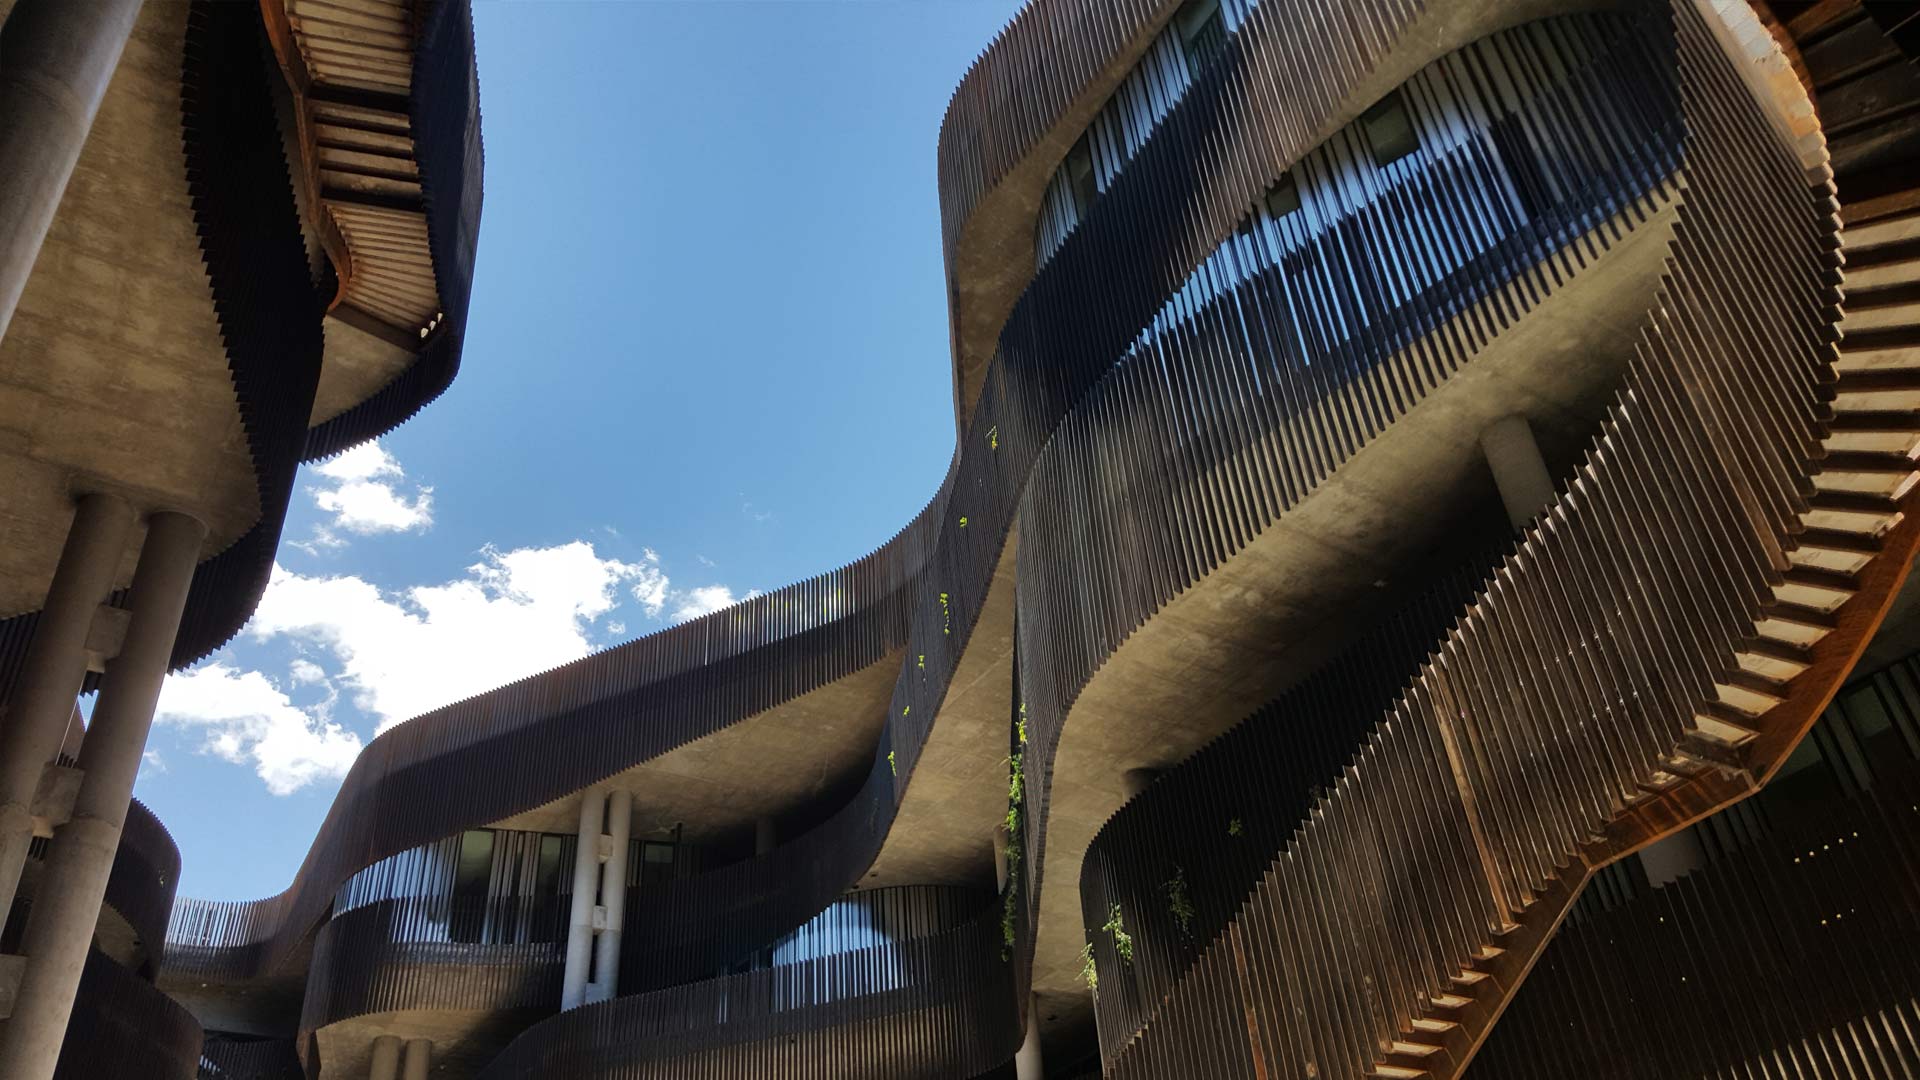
<point>707,356</point>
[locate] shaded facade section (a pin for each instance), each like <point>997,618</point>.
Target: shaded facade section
<point>1784,957</point>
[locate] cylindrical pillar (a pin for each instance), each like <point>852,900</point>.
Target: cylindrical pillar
<point>1026,1061</point>
<point>586,883</point>
<point>763,836</point>
<point>1135,781</point>
<point>613,896</point>
<point>56,59</point>
<point>52,671</point>
<point>1526,487</point>
<point>386,1058</point>
<point>67,905</point>
<point>419,1058</point>
<point>1000,867</point>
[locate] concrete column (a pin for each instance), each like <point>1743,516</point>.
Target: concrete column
<point>67,904</point>
<point>386,1058</point>
<point>586,883</point>
<point>1001,871</point>
<point>419,1058</point>
<point>1135,781</point>
<point>1526,487</point>
<point>1672,857</point>
<point>51,673</point>
<point>56,58</point>
<point>1026,1061</point>
<point>613,897</point>
<point>763,836</point>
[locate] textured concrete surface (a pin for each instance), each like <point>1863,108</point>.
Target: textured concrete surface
<point>770,764</point>
<point>113,374</point>
<point>356,365</point>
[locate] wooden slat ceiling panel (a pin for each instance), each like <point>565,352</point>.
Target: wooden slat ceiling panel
<point>364,150</point>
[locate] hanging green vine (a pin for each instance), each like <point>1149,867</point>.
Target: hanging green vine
<point>1089,972</point>
<point>1235,828</point>
<point>1179,903</point>
<point>1116,928</point>
<point>891,764</point>
<point>1016,797</point>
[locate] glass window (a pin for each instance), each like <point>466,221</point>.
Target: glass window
<point>1389,130</point>
<point>1203,33</point>
<point>471,876</point>
<point>656,862</point>
<point>1283,197</point>
<point>1080,179</point>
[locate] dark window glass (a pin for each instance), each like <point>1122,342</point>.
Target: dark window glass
<point>1283,197</point>
<point>1203,33</point>
<point>1080,178</point>
<point>549,918</point>
<point>471,875</point>
<point>656,862</point>
<point>1389,130</point>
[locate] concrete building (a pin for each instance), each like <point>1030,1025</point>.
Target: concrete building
<point>237,237</point>
<point>1419,463</point>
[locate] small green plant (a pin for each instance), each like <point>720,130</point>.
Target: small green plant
<point>963,521</point>
<point>1117,929</point>
<point>993,437</point>
<point>1089,972</point>
<point>922,662</point>
<point>946,615</point>
<point>1016,779</point>
<point>906,710</point>
<point>1235,828</point>
<point>1006,924</point>
<point>1179,904</point>
<point>891,764</point>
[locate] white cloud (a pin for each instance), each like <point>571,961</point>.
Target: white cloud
<point>705,600</point>
<point>399,655</point>
<point>245,719</point>
<point>368,461</point>
<point>361,490</point>
<point>650,584</point>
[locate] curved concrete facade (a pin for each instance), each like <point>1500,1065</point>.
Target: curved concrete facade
<point>1238,409</point>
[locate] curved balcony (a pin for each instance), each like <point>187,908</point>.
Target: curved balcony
<point>124,1029</point>
<point>398,956</point>
<point>139,895</point>
<point>897,984</point>
<point>472,975</point>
